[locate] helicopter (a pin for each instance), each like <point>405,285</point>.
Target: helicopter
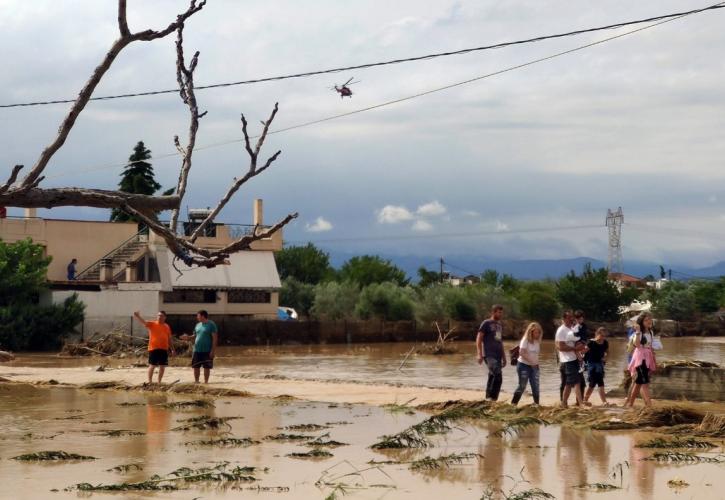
<point>344,89</point>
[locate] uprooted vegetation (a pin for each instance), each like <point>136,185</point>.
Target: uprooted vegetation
<point>226,442</point>
<point>221,474</point>
<point>515,419</point>
<point>304,427</point>
<point>51,456</point>
<point>315,453</point>
<point>204,422</point>
<point>675,443</point>
<point>688,458</point>
<point>118,344</point>
<point>173,388</point>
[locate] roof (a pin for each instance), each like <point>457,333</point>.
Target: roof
<point>248,269</point>
<point>625,278</point>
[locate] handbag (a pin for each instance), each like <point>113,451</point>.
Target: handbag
<point>514,353</point>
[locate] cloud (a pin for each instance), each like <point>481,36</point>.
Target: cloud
<point>391,214</point>
<point>422,225</point>
<point>501,226</point>
<point>470,213</point>
<point>431,209</point>
<point>320,225</point>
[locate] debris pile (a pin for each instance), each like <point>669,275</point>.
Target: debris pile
<point>119,344</point>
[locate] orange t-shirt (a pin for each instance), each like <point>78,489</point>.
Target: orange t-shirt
<point>158,335</point>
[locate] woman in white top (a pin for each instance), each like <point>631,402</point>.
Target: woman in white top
<point>528,366</point>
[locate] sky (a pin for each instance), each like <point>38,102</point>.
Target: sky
<point>521,165</point>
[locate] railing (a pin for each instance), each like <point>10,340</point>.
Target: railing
<point>142,232</point>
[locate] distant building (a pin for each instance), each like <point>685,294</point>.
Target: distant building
<point>623,280</point>
<point>121,269</point>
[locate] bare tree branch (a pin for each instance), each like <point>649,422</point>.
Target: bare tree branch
<point>252,171</point>
<point>11,180</point>
<point>81,197</point>
<point>92,83</point>
<point>122,22</point>
<point>185,78</point>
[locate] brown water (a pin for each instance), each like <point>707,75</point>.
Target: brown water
<point>554,459</point>
<point>380,363</point>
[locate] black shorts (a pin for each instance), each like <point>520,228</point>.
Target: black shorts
<point>571,373</point>
<point>202,359</point>
<point>159,357</point>
<point>642,374</point>
<point>596,374</point>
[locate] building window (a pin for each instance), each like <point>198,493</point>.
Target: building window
<point>248,297</point>
<point>193,296</point>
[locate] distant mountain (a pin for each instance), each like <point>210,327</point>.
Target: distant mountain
<point>534,269</point>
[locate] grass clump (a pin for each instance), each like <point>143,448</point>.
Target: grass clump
<point>316,453</point>
<point>121,432</point>
<point>304,427</point>
<point>221,474</point>
<point>689,442</point>
<point>430,463</point>
<point>204,422</point>
<point>227,442</point>
<point>679,457</point>
<point>321,442</point>
<point>125,468</point>
<point>52,456</point>
<point>287,437</point>
<point>597,487</point>
<point>183,405</point>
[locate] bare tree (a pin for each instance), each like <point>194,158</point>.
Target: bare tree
<point>27,193</point>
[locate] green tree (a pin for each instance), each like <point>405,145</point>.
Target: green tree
<point>24,323</point>
<point>490,277</point>
<point>335,300</point>
<point>297,295</point>
<point>708,296</point>
<point>307,264</point>
<point>386,301</point>
<point>427,278</point>
<point>368,269</point>
<point>592,292</point>
<point>137,177</point>
<point>538,302</point>
<point>676,301</point>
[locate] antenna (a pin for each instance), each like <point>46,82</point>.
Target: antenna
<point>614,226</point>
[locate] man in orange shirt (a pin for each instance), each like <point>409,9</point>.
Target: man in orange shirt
<point>160,343</point>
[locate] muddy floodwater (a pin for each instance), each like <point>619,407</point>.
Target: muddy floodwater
<point>138,437</point>
<point>551,458</point>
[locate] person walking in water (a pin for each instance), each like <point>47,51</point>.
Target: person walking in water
<point>489,346</point>
<point>160,343</point>
<point>527,367</point>
<point>568,362</point>
<point>205,341</point>
<point>643,360</point>
<point>596,358</point>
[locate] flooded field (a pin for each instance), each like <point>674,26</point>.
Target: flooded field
<point>134,436</point>
<point>381,363</point>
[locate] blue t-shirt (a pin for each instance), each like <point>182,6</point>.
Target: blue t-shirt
<point>203,333</point>
<point>492,339</point>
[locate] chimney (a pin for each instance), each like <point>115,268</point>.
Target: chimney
<point>258,213</point>
<point>106,273</point>
<point>31,213</point>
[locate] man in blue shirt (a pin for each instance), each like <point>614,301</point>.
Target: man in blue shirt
<point>489,347</point>
<point>205,342</point>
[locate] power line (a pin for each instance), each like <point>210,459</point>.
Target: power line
<point>382,63</point>
<point>403,99</point>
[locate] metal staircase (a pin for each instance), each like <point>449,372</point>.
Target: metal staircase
<point>128,250</point>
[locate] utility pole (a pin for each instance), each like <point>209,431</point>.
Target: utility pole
<point>614,225</point>
<point>441,269</point>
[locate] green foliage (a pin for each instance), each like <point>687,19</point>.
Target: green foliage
<point>675,301</point>
<point>24,324</point>
<point>386,301</point>
<point>307,264</point>
<point>592,292</point>
<point>538,302</point>
<point>335,300</point>
<point>707,295</point>
<point>490,277</point>
<point>427,278</point>
<point>23,267</point>
<point>137,177</point>
<point>300,296</point>
<point>368,269</point>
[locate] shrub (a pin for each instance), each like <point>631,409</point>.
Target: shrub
<point>385,301</point>
<point>335,300</point>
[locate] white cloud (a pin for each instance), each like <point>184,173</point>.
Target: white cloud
<point>320,225</point>
<point>422,225</point>
<point>470,213</point>
<point>501,226</point>
<point>431,209</point>
<point>391,214</point>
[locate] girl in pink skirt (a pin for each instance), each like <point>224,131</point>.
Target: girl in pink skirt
<point>643,360</point>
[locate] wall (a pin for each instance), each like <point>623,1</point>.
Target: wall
<point>64,240</point>
<point>694,384</point>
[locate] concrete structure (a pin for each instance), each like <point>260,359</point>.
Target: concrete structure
<point>121,270</point>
